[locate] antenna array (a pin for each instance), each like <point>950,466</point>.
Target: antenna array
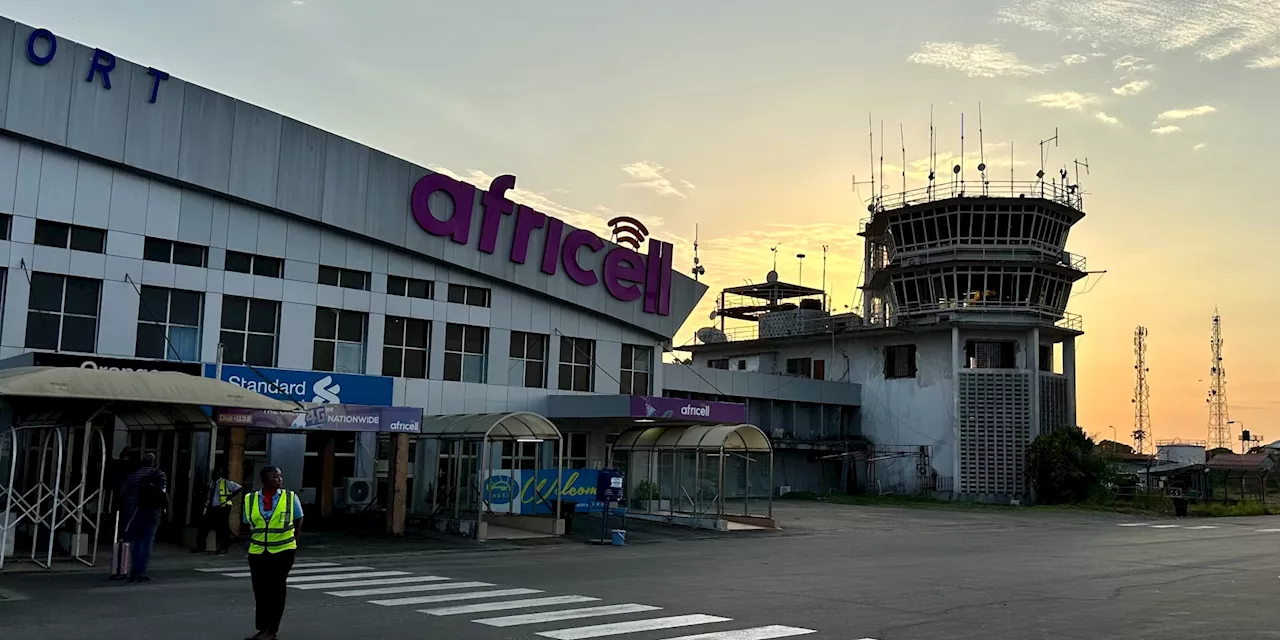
<point>1219,417</point>
<point>1141,393</point>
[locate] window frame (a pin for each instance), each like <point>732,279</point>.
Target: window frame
<point>525,362</point>
<point>61,314</point>
<point>171,248</point>
<point>246,332</point>
<point>168,324</point>
<point>341,319</point>
<point>627,375</point>
<point>471,295</point>
<point>461,356</point>
<point>400,286</point>
<point>573,365</point>
<point>68,232</point>
<point>404,348</point>
<point>340,277</point>
<point>258,264</point>
<point>891,371</point>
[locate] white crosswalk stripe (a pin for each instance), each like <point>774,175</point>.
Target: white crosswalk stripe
<point>303,572</point>
<point>347,576</point>
<point>408,588</point>
<point>756,633</point>
<point>1202,527</point>
<point>471,595</point>
<point>633,626</point>
<point>566,614</point>
<point>506,605</point>
<point>369,583</point>
<point>1165,526</point>
<point>357,581</point>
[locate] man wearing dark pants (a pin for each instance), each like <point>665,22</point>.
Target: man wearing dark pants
<point>217,512</point>
<point>145,499</point>
<point>273,517</point>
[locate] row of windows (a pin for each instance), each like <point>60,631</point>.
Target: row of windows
<point>63,316</point>
<point>975,286</point>
<point>919,230</point>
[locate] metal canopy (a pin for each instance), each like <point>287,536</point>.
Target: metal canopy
<point>157,387</point>
<point>521,425</point>
<point>726,437</point>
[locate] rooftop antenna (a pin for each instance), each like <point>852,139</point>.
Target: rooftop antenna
<point>824,274</point>
<point>800,257</point>
<point>1011,180</point>
<point>871,155</point>
<point>1079,164</point>
<point>933,155</point>
<point>982,152</point>
<point>698,269</point>
<point>961,172</point>
<point>1054,140</point>
<point>774,249</point>
<point>882,160</point>
<point>902,137</point>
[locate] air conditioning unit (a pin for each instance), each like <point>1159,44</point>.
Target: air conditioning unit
<point>784,489</point>
<point>358,492</point>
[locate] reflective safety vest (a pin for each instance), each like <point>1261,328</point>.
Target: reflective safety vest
<point>224,493</point>
<point>275,535</point>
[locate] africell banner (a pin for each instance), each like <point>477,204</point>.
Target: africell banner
<point>534,492</point>
<point>653,408</point>
<point>329,417</point>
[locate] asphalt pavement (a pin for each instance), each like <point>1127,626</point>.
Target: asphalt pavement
<point>838,572</point>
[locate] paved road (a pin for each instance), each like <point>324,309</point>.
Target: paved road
<point>842,572</point>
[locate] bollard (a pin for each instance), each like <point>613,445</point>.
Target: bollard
<point>619,537</point>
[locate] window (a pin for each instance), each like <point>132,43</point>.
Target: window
<point>519,455</point>
<point>466,353</point>
<point>254,264</point>
<point>819,369</point>
<point>405,343</point>
<point>6,223</point>
<point>410,287</point>
<point>718,363</point>
<point>161,250</point>
<point>528,367</point>
<point>70,236</point>
<point>991,354</point>
<point>575,451</point>
<point>577,364</point>
<point>474,296</point>
<point>800,367</point>
<point>249,330</point>
<point>339,344</point>
<point>900,361</point>
<point>636,364</point>
<point>345,278</point>
<point>169,324</point>
<point>1046,358</point>
<point>63,313</point>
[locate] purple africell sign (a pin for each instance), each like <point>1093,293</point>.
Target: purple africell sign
<point>626,274</point>
<point>653,408</point>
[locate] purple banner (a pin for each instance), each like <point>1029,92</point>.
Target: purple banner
<point>328,417</point>
<point>654,408</point>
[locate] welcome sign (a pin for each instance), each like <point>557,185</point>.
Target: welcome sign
<point>530,492</point>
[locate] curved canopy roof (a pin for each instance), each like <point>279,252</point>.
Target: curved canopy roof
<point>156,387</point>
<point>495,426</point>
<point>723,437</point>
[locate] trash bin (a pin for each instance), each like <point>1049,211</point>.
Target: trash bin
<point>619,537</point>
<point>1180,507</point>
<point>567,510</point>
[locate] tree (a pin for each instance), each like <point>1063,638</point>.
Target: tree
<point>1064,466</point>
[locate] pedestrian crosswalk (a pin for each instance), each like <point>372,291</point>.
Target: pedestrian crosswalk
<point>1190,527</point>
<point>555,617</point>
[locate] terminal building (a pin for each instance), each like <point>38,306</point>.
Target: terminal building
<point>150,224</point>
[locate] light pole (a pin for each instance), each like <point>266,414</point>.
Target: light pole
<point>1244,436</point>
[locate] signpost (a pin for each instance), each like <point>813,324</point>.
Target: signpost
<point>608,491</point>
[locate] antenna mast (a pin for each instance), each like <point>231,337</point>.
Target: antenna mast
<point>698,269</point>
<point>982,152</point>
<point>961,174</point>
<point>902,136</point>
<point>1040,174</point>
<point>882,160</point>
<point>1141,393</point>
<point>871,155</point>
<point>932,153</point>
<point>1219,417</point>
<point>824,275</point>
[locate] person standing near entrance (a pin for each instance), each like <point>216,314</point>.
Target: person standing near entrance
<point>217,512</point>
<point>145,499</point>
<point>273,517</point>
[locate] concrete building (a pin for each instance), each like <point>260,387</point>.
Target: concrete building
<point>963,351</point>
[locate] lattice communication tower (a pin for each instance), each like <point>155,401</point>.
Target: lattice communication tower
<point>1219,417</point>
<point>1141,393</point>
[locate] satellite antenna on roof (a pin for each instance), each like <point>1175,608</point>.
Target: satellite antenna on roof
<point>933,153</point>
<point>1054,140</point>
<point>871,155</point>
<point>960,173</point>
<point>902,137</point>
<point>698,269</point>
<point>982,152</point>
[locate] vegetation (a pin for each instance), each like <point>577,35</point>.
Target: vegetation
<point>648,490</point>
<point>1219,510</point>
<point>1065,468</point>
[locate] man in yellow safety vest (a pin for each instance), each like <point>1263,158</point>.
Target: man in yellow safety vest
<point>217,512</point>
<point>273,517</point>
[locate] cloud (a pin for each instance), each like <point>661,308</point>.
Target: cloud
<point>1183,114</point>
<point>1068,100</point>
<point>1268,61</point>
<point>1198,146</point>
<point>1166,130</point>
<point>1131,65</point>
<point>651,175</point>
<point>1131,88</point>
<point>686,184</point>
<point>973,60</point>
<point>1107,119</point>
<point>1074,58</point>
<point>298,3</point>
<point>1211,29</point>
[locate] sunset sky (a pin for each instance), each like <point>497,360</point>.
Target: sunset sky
<point>749,118</point>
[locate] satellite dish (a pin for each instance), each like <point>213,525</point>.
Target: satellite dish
<point>710,335</point>
<point>771,277</point>
<point>715,313</point>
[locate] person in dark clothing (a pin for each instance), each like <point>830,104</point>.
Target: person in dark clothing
<point>217,512</point>
<point>145,499</point>
<point>120,470</point>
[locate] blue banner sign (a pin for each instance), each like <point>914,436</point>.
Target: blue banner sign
<point>309,386</point>
<point>530,492</point>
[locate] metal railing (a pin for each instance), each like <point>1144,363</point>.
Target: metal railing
<point>1067,195</point>
<point>851,323</point>
<point>1045,253</point>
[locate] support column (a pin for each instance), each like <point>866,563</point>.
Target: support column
<point>325,495</point>
<point>1033,363</point>
<point>235,471</point>
<point>397,474</point>
<point>957,356</point>
<point>1069,371</point>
